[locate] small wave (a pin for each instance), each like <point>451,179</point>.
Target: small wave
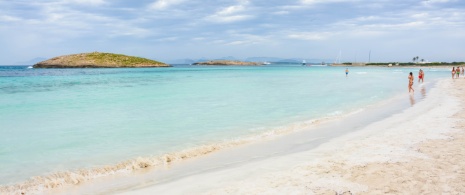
<point>335,113</point>
<point>41,184</point>
<point>361,72</point>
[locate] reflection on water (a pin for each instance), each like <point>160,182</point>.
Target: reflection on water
<point>412,99</point>
<point>423,91</point>
<point>421,96</point>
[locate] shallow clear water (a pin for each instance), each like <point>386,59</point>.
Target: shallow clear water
<point>65,119</point>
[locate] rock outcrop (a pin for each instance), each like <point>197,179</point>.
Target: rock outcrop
<point>228,62</point>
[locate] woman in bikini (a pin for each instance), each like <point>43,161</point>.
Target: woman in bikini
<point>453,72</point>
<point>420,76</point>
<point>410,82</point>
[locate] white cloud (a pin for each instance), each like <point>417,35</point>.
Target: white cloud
<point>228,19</point>
<point>237,43</point>
<point>368,18</point>
<point>167,39</point>
<point>7,18</point>
<point>281,12</point>
<point>314,36</point>
<point>251,38</point>
<point>63,21</point>
<point>305,4</point>
<point>308,2</point>
<point>198,38</point>
<point>275,23</point>
<point>432,2</point>
<point>164,4</point>
<point>87,2</point>
<point>231,10</point>
<point>314,2</point>
<point>117,29</point>
<point>232,13</point>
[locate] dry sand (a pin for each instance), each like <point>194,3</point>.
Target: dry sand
<point>418,151</point>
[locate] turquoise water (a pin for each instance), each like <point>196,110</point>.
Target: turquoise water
<point>55,120</point>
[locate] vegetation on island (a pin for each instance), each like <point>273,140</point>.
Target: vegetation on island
<point>228,62</point>
<point>98,60</point>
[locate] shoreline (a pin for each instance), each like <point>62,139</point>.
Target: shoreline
<point>403,153</point>
<point>88,180</point>
<point>76,177</point>
<point>60,182</point>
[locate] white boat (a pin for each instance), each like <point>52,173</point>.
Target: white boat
<point>304,62</point>
<point>266,63</point>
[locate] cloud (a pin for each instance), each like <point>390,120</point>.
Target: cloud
<point>199,38</point>
<point>314,2</point>
<point>7,18</point>
<point>86,2</point>
<point>239,38</point>
<point>232,13</point>
<point>167,39</point>
<point>432,2</point>
<point>243,24</point>
<point>311,2</point>
<point>313,36</point>
<point>281,12</point>
<point>164,4</point>
<point>237,43</point>
<point>228,19</point>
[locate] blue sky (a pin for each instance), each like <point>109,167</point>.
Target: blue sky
<point>165,30</point>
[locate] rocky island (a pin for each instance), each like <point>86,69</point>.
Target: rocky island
<point>228,62</point>
<point>98,60</point>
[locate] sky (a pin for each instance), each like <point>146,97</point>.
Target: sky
<point>168,30</point>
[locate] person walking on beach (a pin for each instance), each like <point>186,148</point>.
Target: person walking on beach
<point>347,72</point>
<point>453,72</point>
<point>457,71</point>
<point>410,82</point>
<point>463,71</point>
<point>421,75</point>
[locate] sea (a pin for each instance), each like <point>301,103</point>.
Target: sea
<point>72,121</point>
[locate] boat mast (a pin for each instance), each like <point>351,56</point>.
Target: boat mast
<point>369,57</point>
<point>338,58</point>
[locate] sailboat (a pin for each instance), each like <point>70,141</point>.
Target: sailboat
<point>338,59</point>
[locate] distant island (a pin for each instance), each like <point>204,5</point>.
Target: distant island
<point>228,62</point>
<point>98,60</point>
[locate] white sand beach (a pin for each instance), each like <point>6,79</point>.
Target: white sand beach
<point>417,151</point>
